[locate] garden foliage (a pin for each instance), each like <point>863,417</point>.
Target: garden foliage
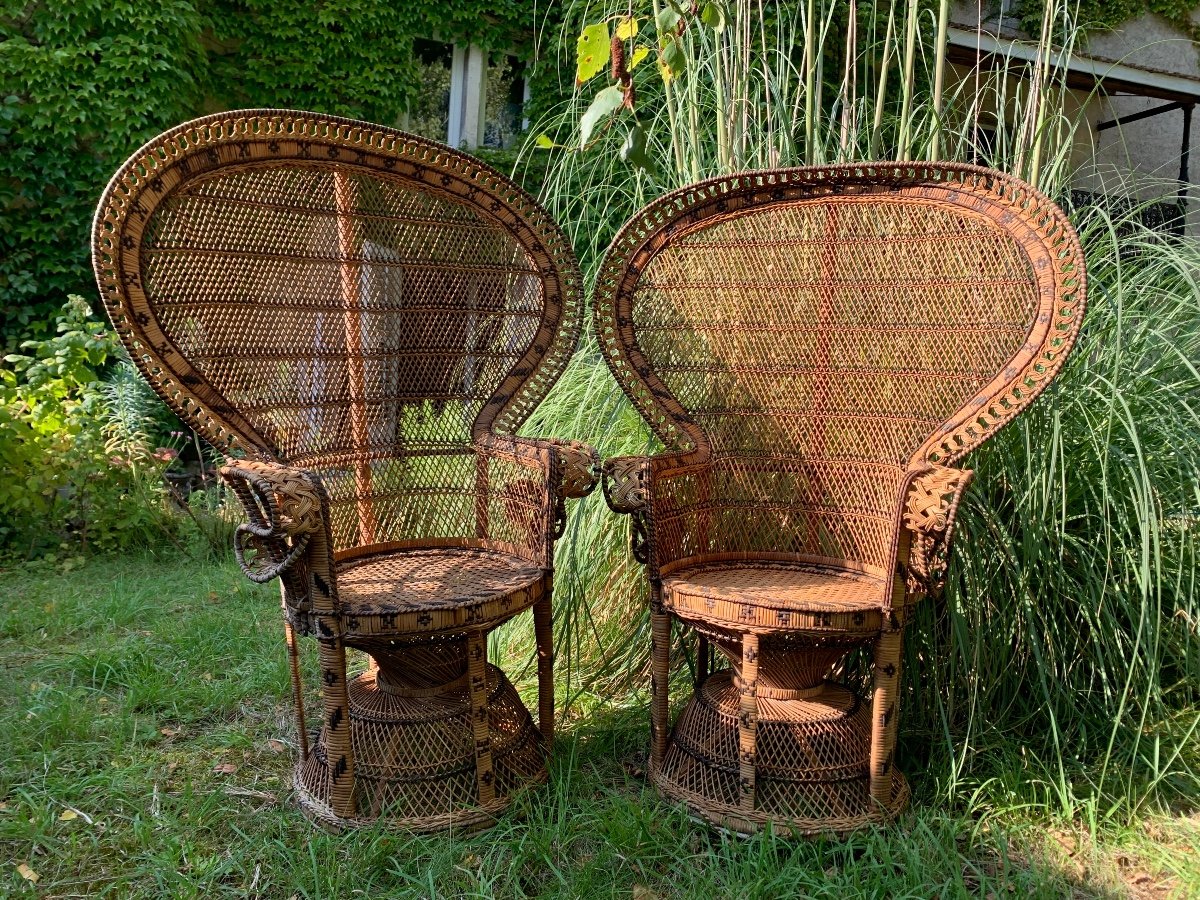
<point>68,476</point>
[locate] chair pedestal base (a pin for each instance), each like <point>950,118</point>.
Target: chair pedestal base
<point>812,761</point>
<point>415,753</point>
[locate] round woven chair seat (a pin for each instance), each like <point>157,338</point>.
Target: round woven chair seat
<point>777,596</point>
<point>420,591</point>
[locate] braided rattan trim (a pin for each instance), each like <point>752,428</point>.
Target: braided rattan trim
<point>1036,223</point>
<point>246,138</point>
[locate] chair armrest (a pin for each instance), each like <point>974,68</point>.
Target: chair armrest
<point>625,483</point>
<point>929,512</point>
<point>569,470</point>
<point>286,510</point>
<point>579,462</point>
<point>580,467</point>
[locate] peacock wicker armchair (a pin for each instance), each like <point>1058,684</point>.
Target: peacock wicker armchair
<point>361,320</point>
<point>817,349</point>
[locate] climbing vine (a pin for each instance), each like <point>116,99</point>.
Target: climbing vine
<point>1107,15</point>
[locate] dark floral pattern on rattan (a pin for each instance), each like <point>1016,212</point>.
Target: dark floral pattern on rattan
<point>362,320</point>
<point>816,349</point>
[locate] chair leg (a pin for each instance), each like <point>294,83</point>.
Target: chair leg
<point>543,628</point>
<point>748,720</point>
<point>703,655</point>
<point>337,721</point>
<point>885,716</point>
<point>660,660</point>
<point>477,678</point>
<point>289,635</point>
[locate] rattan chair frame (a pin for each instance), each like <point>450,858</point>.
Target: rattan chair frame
<point>925,504</point>
<point>288,507</point>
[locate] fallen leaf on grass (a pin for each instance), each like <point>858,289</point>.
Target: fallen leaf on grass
<point>276,746</point>
<point>214,597</point>
<point>72,813</point>
<point>28,874</point>
<point>641,892</point>
<point>169,732</point>
<point>225,768</point>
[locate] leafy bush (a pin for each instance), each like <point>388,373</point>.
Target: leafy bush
<point>84,454</point>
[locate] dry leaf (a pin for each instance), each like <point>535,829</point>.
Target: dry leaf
<point>214,597</point>
<point>641,892</point>
<point>225,768</point>
<point>169,732</point>
<point>172,766</point>
<point>207,676</point>
<point>3,805</point>
<point>276,746</point>
<point>67,815</point>
<point>28,874</point>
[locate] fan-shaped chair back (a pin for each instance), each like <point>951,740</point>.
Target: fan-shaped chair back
<point>805,337</point>
<point>340,297</point>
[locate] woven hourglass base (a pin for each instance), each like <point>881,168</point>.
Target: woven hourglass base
<point>811,762</point>
<point>415,757</point>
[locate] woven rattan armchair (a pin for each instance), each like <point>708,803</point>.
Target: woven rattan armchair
<point>361,320</point>
<point>817,349</point>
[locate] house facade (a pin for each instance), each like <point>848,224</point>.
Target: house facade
<point>1137,89</point>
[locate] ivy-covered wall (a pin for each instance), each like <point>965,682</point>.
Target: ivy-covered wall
<point>1109,14</point>
<point>85,82</point>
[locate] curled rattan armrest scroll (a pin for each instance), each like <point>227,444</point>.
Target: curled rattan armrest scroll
<point>625,481</point>
<point>580,467</point>
<point>930,510</point>
<point>284,509</point>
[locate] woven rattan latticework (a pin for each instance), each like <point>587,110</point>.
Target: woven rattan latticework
<point>361,320</point>
<point>817,349</point>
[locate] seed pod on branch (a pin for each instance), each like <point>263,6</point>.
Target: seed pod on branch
<point>616,52</point>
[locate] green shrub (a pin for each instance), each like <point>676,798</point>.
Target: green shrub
<point>82,455</point>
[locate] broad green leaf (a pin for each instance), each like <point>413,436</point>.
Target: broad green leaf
<point>672,60</point>
<point>638,55</point>
<point>627,28</point>
<point>713,15</point>
<point>591,53</point>
<point>633,150</point>
<point>543,142</point>
<point>607,102</point>
<point>666,20</point>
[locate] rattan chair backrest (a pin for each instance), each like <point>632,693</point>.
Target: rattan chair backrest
<point>811,334</point>
<point>338,296</point>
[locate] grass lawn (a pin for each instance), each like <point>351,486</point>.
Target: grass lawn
<point>147,747</point>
